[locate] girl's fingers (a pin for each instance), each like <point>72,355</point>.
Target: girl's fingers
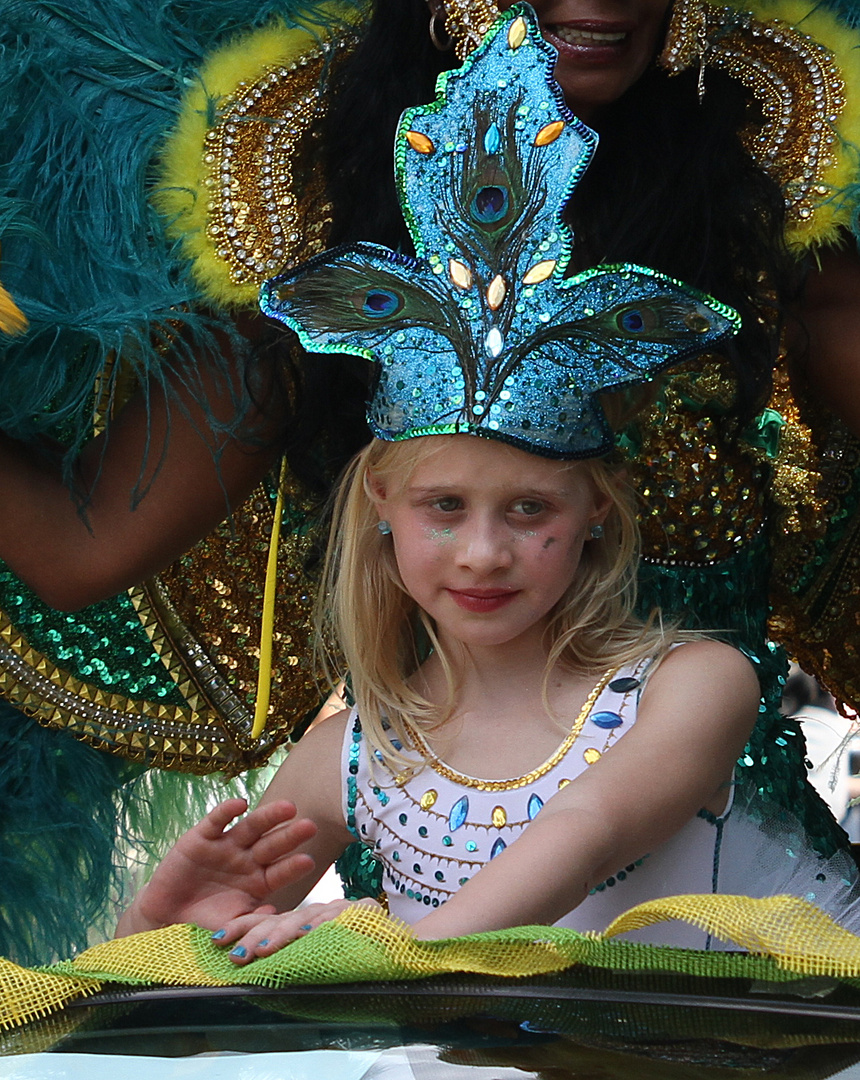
<point>217,820</point>
<point>242,924</point>
<point>269,935</point>
<point>288,870</point>
<point>283,840</point>
<point>247,832</point>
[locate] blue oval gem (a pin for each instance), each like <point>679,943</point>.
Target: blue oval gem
<point>499,845</point>
<point>535,806</point>
<point>459,810</point>
<point>606,719</point>
<point>492,139</point>
<point>621,686</point>
<point>490,205</point>
<point>380,303</point>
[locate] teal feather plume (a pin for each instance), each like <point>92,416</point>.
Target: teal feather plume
<point>88,90</point>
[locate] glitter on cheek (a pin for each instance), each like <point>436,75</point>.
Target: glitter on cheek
<point>440,536</point>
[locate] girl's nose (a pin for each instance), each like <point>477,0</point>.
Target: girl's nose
<point>485,546</point>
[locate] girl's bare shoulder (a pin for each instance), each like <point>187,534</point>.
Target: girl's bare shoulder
<point>708,670</point>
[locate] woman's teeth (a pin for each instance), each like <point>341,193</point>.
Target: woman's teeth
<point>586,37</point>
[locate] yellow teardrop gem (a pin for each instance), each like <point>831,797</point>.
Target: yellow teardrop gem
<point>500,818</point>
<point>563,784</point>
<point>591,755</point>
<point>517,33</point>
<point>420,142</point>
<point>539,272</point>
<point>460,274</point>
<point>428,799</point>
<point>550,133</point>
<point>496,292</point>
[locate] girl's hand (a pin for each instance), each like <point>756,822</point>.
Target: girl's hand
<point>213,873</point>
<point>261,933</point>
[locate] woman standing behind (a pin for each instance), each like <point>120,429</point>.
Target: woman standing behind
<point>671,186</point>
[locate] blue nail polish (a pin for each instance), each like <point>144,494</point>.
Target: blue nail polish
<point>307,926</point>
<point>218,935</point>
<point>239,951</point>
<point>262,944</point>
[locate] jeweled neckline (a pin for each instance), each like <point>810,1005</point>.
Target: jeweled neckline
<point>465,780</point>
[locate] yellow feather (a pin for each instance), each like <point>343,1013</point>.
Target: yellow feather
<point>833,214</point>
<point>13,321</point>
<point>182,195</point>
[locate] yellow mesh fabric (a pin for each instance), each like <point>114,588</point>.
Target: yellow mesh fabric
<point>784,936</point>
<point>27,995</point>
<point>799,936</point>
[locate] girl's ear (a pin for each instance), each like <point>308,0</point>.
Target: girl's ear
<point>377,491</point>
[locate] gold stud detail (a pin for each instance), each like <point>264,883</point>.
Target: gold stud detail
<point>420,142</point>
<point>460,274</point>
<point>550,133</point>
<point>539,272</point>
<point>517,33</point>
<point>428,799</point>
<point>496,292</point>
<point>591,755</point>
<point>500,818</point>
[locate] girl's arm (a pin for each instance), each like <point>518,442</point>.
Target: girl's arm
<point>216,875</point>
<point>694,718</point>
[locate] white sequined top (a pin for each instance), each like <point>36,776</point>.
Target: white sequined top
<point>437,830</point>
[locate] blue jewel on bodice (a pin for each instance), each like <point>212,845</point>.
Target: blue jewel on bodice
<point>458,814</point>
<point>606,719</point>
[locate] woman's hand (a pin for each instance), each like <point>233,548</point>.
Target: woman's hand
<point>214,874</point>
<point>262,933</point>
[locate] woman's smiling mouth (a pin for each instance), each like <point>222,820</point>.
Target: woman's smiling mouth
<point>574,35</point>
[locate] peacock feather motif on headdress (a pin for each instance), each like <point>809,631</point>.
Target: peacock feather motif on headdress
<point>482,332</point>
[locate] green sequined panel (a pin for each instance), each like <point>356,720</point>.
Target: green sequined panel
<point>104,644</point>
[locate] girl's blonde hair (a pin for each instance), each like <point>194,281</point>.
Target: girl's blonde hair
<point>370,627</point>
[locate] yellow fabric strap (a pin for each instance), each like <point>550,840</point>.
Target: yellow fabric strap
<point>787,937</point>
<point>267,625</point>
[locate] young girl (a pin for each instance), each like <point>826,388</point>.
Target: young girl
<point>522,749</point>
<point>553,759</point>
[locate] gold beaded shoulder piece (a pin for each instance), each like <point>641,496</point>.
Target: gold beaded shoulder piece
<point>807,82</point>
<point>237,187</point>
<point>518,781</point>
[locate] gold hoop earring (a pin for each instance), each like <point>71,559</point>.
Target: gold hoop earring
<point>443,42</point>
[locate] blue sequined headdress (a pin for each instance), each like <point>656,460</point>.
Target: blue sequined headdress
<point>482,332</point>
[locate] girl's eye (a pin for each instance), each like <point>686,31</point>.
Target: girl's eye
<point>447,503</point>
<point>529,507</point>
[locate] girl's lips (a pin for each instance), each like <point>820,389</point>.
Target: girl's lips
<point>482,600</point>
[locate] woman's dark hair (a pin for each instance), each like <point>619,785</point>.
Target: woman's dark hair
<point>671,185</point>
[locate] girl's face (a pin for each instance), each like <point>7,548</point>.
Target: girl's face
<point>604,46</point>
<point>487,538</point>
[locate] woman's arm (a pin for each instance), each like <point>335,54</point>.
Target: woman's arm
<point>195,476</point>
<point>695,716</point>
<point>828,338</point>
